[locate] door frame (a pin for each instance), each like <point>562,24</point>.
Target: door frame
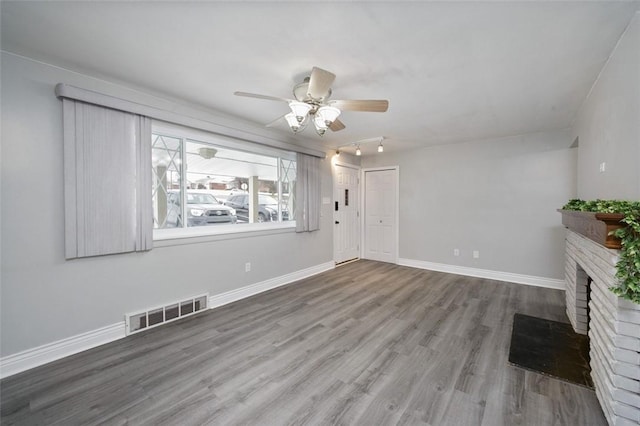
<point>358,169</point>
<point>363,213</point>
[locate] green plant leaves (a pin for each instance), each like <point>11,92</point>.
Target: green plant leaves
<point>628,267</point>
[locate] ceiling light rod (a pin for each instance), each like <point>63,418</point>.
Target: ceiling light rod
<point>377,139</point>
<point>357,144</point>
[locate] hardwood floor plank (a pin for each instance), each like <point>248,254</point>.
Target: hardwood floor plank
<point>430,399</point>
<point>366,343</point>
<point>464,410</point>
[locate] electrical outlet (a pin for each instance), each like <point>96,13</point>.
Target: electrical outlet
<point>456,252</point>
<point>247,267</point>
<point>476,254</point>
<point>603,167</point>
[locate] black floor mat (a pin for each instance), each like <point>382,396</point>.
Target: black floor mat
<point>550,348</point>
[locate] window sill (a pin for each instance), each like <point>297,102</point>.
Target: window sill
<point>203,234</point>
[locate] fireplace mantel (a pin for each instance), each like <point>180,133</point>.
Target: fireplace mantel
<point>595,226</point>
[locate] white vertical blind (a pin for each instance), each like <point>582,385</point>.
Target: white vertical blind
<point>307,193</point>
<point>107,155</point>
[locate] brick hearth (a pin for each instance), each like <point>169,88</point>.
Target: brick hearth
<point>613,325</point>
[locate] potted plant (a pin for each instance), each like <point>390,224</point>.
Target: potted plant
<point>621,221</point>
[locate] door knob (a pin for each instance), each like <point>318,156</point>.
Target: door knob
<point>337,222</point>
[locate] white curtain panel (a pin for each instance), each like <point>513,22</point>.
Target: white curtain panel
<point>107,181</point>
<point>307,193</point>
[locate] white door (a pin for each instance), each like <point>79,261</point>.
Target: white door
<point>380,215</point>
<point>346,199</point>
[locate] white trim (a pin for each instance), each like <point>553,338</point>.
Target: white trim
<point>485,273</point>
<point>203,234</point>
<point>364,213</point>
<point>31,358</point>
<point>253,289</point>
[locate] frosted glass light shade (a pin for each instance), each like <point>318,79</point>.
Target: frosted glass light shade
<point>292,121</point>
<point>299,110</point>
<point>328,114</point>
<point>319,123</point>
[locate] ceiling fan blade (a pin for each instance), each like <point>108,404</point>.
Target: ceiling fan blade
<point>320,82</point>
<point>274,122</point>
<point>380,105</point>
<point>337,125</point>
<point>254,95</point>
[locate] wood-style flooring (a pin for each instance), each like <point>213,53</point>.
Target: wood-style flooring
<point>367,343</point>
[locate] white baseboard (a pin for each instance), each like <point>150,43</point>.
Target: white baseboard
<point>485,273</point>
<point>250,290</point>
<point>31,358</point>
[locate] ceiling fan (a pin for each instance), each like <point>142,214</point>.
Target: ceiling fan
<point>312,103</point>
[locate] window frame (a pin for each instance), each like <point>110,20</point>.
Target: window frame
<point>186,234</point>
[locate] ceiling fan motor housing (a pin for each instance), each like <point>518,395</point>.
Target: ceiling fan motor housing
<point>301,93</point>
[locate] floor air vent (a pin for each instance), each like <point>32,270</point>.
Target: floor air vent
<point>163,314</point>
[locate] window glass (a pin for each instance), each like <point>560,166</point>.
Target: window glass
<point>287,182</point>
<point>218,184</point>
<point>166,160</point>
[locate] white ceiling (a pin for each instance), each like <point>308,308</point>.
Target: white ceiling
<point>452,71</point>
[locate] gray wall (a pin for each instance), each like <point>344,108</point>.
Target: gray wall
<point>496,196</point>
<point>44,297</point>
<point>608,126</point>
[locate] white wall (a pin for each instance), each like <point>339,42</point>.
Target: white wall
<point>44,297</point>
<point>495,196</point>
<point>608,125</point>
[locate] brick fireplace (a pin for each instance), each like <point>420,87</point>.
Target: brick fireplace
<point>612,323</point>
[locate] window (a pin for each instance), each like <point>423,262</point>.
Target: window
<point>203,180</point>
<point>107,208</point>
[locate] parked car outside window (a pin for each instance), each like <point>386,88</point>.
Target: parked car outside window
<point>267,207</point>
<point>202,209</point>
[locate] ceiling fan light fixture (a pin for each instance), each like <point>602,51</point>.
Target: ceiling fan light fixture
<point>380,147</point>
<point>320,124</point>
<point>328,114</point>
<point>311,103</point>
<point>293,122</point>
<point>358,152</point>
<point>300,110</point>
